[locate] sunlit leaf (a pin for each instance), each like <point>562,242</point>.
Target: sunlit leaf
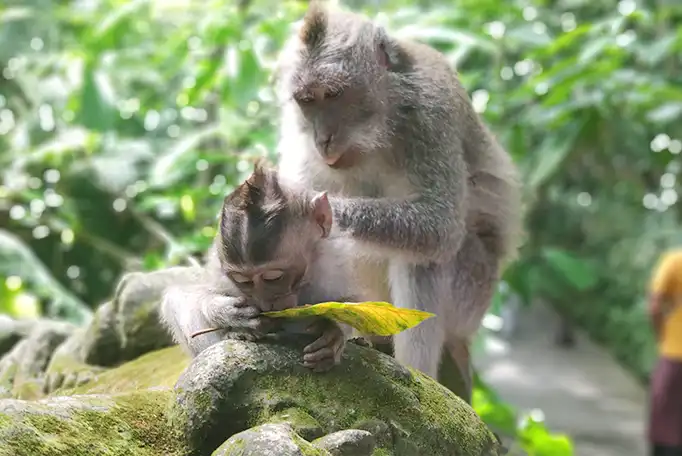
<point>577,272</point>
<point>18,259</point>
<point>165,170</point>
<point>114,22</point>
<point>378,318</point>
<point>550,156</point>
<point>187,207</point>
<point>15,14</point>
<point>594,49</point>
<point>666,113</point>
<point>97,110</point>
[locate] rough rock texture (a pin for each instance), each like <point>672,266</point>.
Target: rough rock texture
<point>41,356</point>
<point>351,442</point>
<point>268,440</point>
<point>235,385</point>
<point>28,358</point>
<point>246,398</point>
<point>137,318</point>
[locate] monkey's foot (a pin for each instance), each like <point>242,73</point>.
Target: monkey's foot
<point>326,351</point>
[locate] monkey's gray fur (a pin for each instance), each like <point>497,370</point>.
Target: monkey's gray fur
<point>416,180</point>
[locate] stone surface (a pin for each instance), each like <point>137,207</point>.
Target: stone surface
<point>26,361</point>
<point>350,442</point>
<point>247,398</point>
<point>268,440</point>
<point>229,384</point>
<point>137,318</point>
<point>129,424</point>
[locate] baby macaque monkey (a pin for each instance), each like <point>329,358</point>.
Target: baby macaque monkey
<point>270,253</point>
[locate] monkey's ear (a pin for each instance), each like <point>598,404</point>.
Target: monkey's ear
<point>382,55</point>
<point>258,176</point>
<point>322,213</point>
<point>386,49</point>
<point>314,28</point>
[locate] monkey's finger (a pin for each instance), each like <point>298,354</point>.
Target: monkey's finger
<point>321,366</point>
<point>319,355</point>
<point>324,341</point>
<point>245,312</point>
<point>339,346</point>
<point>239,303</point>
<point>260,324</point>
<point>316,326</point>
<point>252,323</point>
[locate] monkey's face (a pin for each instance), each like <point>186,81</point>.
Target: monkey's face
<point>273,286</point>
<point>268,236</point>
<point>340,96</point>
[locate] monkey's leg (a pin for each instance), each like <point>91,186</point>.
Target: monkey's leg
<point>456,370</point>
<point>419,287</point>
<point>474,274</point>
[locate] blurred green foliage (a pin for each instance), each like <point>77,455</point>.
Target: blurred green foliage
<point>123,123</point>
<point>526,430</point>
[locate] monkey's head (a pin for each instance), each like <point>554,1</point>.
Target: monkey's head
<point>335,76</point>
<point>268,236</point>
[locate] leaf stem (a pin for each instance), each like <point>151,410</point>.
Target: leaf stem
<point>203,331</point>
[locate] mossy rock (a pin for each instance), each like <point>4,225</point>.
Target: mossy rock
<point>163,404</point>
<point>156,370</point>
<point>128,424</point>
<point>235,385</point>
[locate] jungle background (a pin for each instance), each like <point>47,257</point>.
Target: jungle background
<point>124,123</point>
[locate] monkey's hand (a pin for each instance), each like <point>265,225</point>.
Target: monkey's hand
<point>326,351</point>
<point>240,317</point>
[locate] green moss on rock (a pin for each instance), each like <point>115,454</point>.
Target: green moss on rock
<point>417,408</point>
<point>236,385</point>
<point>159,369</point>
<point>301,422</point>
<point>131,424</point>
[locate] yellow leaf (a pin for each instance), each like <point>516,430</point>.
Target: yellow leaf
<point>372,318</point>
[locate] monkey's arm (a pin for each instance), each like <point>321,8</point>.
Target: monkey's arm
<point>188,309</point>
<point>430,226</point>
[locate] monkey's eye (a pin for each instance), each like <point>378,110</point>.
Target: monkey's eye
<point>333,93</point>
<point>272,275</point>
<point>304,98</point>
<point>241,279</point>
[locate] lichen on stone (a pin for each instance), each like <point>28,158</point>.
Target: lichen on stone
<point>89,426</point>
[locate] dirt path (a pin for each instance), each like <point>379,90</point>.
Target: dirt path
<point>582,391</point>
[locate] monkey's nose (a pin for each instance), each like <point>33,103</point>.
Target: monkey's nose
<point>323,143</point>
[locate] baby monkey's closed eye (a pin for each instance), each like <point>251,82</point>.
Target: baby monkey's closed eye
<point>272,275</point>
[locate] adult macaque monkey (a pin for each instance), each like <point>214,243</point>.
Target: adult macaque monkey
<point>270,253</point>
<point>415,178</point>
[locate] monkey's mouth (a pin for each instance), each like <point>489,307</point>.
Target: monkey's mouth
<point>346,160</point>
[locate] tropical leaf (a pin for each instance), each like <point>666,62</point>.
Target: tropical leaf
<point>19,260</point>
<point>578,272</point>
<point>377,318</point>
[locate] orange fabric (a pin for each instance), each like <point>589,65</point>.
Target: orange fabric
<point>666,282</point>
